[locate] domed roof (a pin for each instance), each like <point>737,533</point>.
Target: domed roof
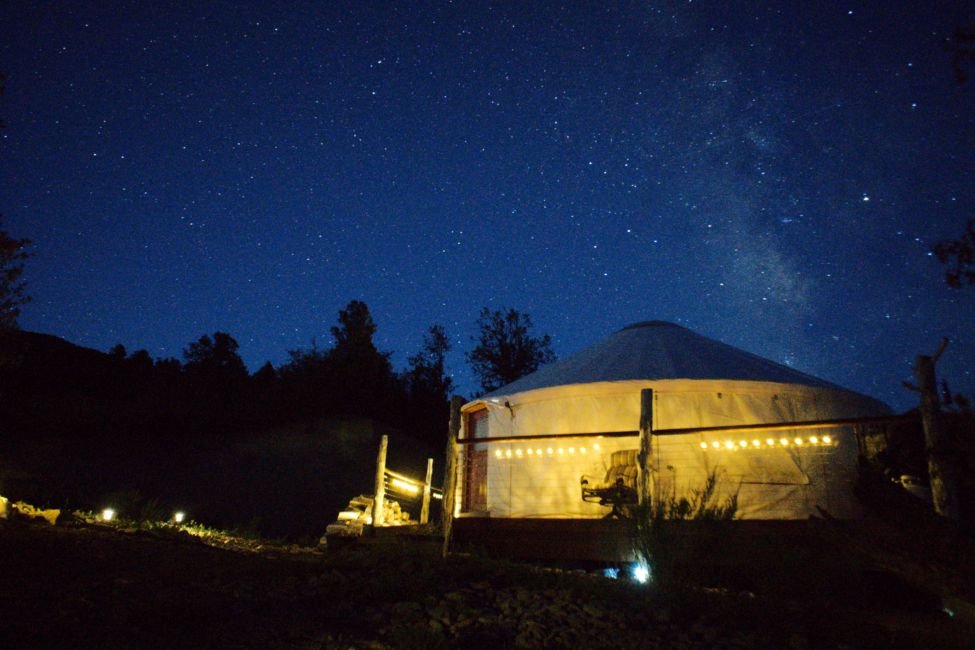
<point>659,350</point>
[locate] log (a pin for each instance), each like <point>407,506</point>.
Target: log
<point>377,504</point>
<point>941,470</point>
<point>450,470</point>
<point>646,433</point>
<point>425,507</point>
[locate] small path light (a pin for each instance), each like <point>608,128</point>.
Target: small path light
<point>108,514</point>
<point>179,516</point>
<point>641,572</point>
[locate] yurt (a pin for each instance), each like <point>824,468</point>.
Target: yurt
<point>564,443</point>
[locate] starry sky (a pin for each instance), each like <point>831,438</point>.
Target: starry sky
<point>770,176</point>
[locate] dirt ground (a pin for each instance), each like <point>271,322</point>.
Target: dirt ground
<point>85,586</point>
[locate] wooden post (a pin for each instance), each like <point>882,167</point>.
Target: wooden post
<point>425,508</point>
<point>377,504</point>
<point>646,434</point>
<point>940,462</point>
<point>450,470</point>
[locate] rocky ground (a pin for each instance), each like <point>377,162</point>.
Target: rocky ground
<point>90,585</point>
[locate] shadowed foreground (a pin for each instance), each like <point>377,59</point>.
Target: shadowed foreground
<point>91,586</point>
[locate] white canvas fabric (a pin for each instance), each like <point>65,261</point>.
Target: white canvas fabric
<point>697,382</point>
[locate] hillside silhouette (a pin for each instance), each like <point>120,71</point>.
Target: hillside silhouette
<point>278,452</point>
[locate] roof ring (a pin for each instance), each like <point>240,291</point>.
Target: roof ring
<point>649,323</point>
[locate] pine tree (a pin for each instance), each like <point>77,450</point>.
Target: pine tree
<point>506,349</point>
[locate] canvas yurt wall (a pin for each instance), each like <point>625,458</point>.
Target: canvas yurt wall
<point>538,437</point>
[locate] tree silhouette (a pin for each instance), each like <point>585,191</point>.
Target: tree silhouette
<point>426,374</point>
<point>962,48</point>
<point>353,334</point>
<point>959,254</point>
<point>266,374</point>
<point>429,387</point>
<point>216,357</point>
<point>362,379</point>
<point>216,379</point>
<point>505,349</point>
<point>13,254</point>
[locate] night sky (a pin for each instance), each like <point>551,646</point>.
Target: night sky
<point>770,177</point>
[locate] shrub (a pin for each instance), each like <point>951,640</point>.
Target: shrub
<point>669,549</point>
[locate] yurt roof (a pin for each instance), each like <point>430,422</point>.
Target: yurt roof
<point>657,350</point>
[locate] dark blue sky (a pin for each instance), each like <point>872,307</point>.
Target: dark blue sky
<point>771,177</point>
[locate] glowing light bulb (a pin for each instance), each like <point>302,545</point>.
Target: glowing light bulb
<point>538,452</point>
<point>561,451</point>
<point>784,442</point>
<point>814,440</point>
<point>178,517</point>
<point>572,450</point>
<point>742,443</point>
<point>704,445</point>
<point>529,451</point>
<point>827,440</point>
<point>756,443</point>
<point>108,514</point>
<point>770,442</point>
<point>582,450</point>
<point>508,453</point>
<point>798,441</point>
<point>641,572</point>
<point>596,446</point>
<point>716,444</point>
<point>498,453</point>
<point>518,452</point>
<point>729,444</point>
<point>549,451</point>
